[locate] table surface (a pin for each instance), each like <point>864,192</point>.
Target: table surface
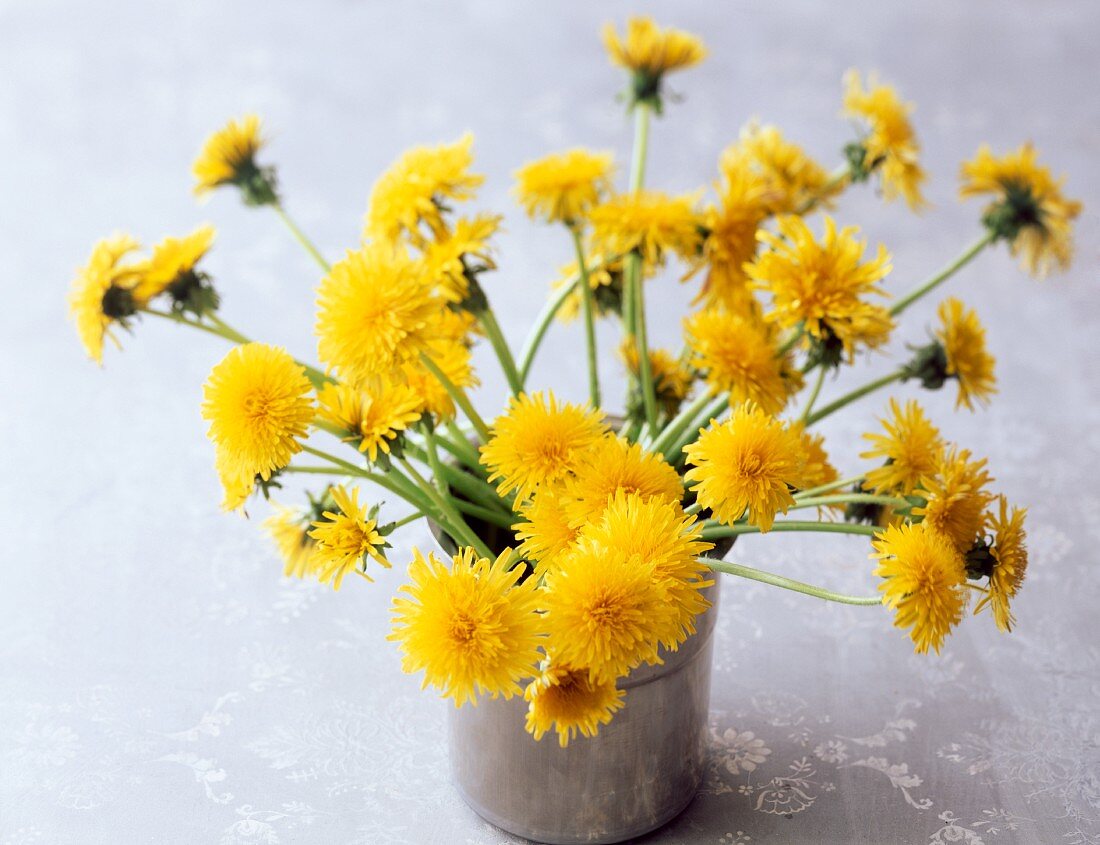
<point>162,683</point>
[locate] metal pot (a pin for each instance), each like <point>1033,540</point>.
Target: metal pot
<point>639,772</point>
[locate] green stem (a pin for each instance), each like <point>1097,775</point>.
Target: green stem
<point>452,519</point>
<point>813,395</point>
<point>474,488</point>
<point>787,583</point>
<point>300,236</point>
<point>836,177</point>
<point>459,446</point>
<point>500,346</point>
<point>589,320</point>
<point>946,273</point>
<point>412,517</point>
<point>681,421</point>
<point>789,343</point>
<point>843,499</point>
<point>459,396</point>
<point>711,412</point>
<point>222,329</point>
<point>645,375</point>
<point>541,326</point>
<point>641,146</point>
<point>825,488</point>
<point>858,393</point>
<point>405,491</point>
<point>487,514</point>
<point>712,530</point>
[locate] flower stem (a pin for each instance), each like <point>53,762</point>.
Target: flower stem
<point>500,346</point>
<point>712,531</point>
<point>641,146</point>
<point>845,498</point>
<point>589,320</point>
<point>222,329</point>
<point>825,488</point>
<point>300,236</point>
<point>476,489</point>
<point>412,517</point>
<point>858,393</point>
<point>459,396</point>
<point>452,519</point>
<point>946,273</point>
<point>458,444</point>
<point>813,395</point>
<point>645,375</point>
<point>406,491</point>
<point>542,324</point>
<point>495,517</point>
<point>787,583</point>
<point>680,422</point>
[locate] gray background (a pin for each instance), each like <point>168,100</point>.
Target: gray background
<point>161,683</point>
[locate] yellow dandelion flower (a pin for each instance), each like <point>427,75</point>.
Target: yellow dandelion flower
<point>968,361</point>
<point>453,359</point>
<point>649,52</point>
<point>454,255</point>
<point>731,241</point>
<point>416,188</point>
<point>372,418</point>
<point>737,355</point>
<point>375,312</point>
<point>562,187</point>
<point>289,528</point>
<point>570,702</point>
<point>925,582</point>
<point>671,379</point>
<point>890,146</point>
<point>1009,554</point>
<point>102,294</point>
<point>818,470</point>
<point>258,403</point>
<point>171,268</point>
<point>910,449</point>
<point>546,533</point>
<point>538,442</point>
<point>794,181</point>
<point>604,610</point>
<point>749,463</point>
<point>228,157</point>
<point>612,466</point>
<point>657,531</point>
<point>471,626</point>
<point>345,537</point>
<point>1028,210</point>
<point>821,285</point>
<point>955,497</point>
<point>651,222</point>
<point>237,485</point>
<point>605,278</point>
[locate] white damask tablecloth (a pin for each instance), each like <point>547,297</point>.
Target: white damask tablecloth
<point>161,683</point>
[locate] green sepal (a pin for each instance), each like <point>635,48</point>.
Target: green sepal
<point>928,366</point>
<point>1018,210</point>
<point>193,292</point>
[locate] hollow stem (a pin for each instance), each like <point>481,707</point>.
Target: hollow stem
<point>943,275</point>
<point>589,309</point>
<point>787,583</point>
<point>301,237</point>
<point>458,395</point>
<point>813,395</point>
<point>452,520</point>
<point>713,530</point>
<point>858,393</point>
<point>500,346</point>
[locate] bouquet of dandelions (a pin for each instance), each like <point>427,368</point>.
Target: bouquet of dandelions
<point>581,544</point>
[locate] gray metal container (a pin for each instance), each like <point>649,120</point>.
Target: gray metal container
<point>639,772</point>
